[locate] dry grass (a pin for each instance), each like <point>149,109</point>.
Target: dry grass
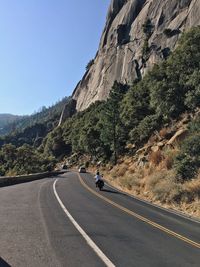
<point>128,161</point>
<point>193,186</point>
<point>122,170</point>
<point>156,157</point>
<point>191,190</point>
<point>167,162</point>
<point>163,186</point>
<point>11,173</point>
<point>113,173</point>
<point>169,156</point>
<point>131,181</point>
<point>132,169</point>
<point>163,132</point>
<point>150,170</point>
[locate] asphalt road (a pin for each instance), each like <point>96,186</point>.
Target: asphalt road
<point>68,222</point>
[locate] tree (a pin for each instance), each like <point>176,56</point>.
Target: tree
<point>110,119</point>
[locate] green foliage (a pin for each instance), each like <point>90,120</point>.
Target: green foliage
<point>186,166</point>
<point>135,105</point>
<point>145,48</point>
<point>148,28</point>
<point>23,160</point>
<point>194,126</point>
<point>54,145</point>
<point>187,162</point>
<point>111,121</point>
<point>192,97</point>
<point>145,128</point>
<point>90,63</point>
<point>168,32</point>
<point>174,84</point>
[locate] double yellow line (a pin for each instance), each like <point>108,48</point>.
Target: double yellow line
<point>158,226</point>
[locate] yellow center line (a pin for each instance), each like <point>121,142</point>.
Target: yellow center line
<point>158,226</point>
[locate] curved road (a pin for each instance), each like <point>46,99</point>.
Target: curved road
<point>67,222</point>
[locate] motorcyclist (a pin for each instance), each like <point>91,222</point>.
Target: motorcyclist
<point>98,178</point>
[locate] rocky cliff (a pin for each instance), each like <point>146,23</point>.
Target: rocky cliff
<point>137,34</point>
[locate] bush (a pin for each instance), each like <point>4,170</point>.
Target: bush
<point>148,28</point>
<point>131,181</point>
<point>156,157</point>
<point>168,32</point>
<point>188,161</point>
<point>163,186</point>
<point>191,189</point>
<point>89,64</point>
<point>145,48</point>
<point>186,167</point>
<point>169,158</point>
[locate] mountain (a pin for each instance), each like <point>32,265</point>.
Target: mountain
<point>6,119</point>
<point>137,34</point>
<point>27,129</point>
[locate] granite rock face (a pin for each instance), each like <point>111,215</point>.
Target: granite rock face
<point>137,34</point>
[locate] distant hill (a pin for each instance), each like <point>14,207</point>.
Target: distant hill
<point>12,123</point>
<point>6,119</point>
<point>32,129</point>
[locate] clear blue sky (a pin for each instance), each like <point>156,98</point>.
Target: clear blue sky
<point>44,48</point>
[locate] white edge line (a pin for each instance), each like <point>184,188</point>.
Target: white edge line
<point>89,241</point>
<point>178,213</point>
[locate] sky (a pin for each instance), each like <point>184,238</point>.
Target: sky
<point>45,46</point>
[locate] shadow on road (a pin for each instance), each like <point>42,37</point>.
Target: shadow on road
<point>112,191</point>
<point>3,263</point>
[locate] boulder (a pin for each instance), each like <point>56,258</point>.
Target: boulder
<point>178,136</point>
<point>155,148</point>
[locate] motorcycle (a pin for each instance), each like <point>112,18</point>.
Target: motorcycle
<point>100,184</point>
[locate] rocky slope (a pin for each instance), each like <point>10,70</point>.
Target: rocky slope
<point>137,34</point>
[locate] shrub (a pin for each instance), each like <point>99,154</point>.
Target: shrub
<point>164,132</point>
<point>192,187</point>
<point>145,48</point>
<point>148,28</point>
<point>89,64</point>
<point>163,186</point>
<point>87,164</point>
<point>131,181</point>
<point>194,126</point>
<point>156,157</point>
<point>168,32</point>
<point>188,160</point>
<point>186,167</point>
<point>169,158</point>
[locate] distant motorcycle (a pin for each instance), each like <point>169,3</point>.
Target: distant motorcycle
<point>100,184</point>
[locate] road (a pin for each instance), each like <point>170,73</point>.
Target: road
<point>66,221</point>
